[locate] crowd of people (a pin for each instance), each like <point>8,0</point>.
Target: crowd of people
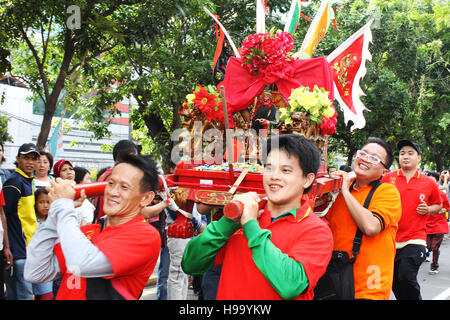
<point>383,223</point>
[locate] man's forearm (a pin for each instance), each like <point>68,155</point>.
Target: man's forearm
<point>434,208</point>
<point>363,218</point>
<point>41,264</point>
<point>201,251</point>
<point>154,210</point>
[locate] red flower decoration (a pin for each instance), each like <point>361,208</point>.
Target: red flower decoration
<point>328,126</point>
<point>263,52</point>
<point>204,100</point>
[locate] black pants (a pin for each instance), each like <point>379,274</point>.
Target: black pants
<point>406,266</point>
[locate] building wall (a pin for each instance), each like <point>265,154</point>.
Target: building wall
<point>24,127</point>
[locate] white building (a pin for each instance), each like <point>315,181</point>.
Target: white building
<point>24,127</point>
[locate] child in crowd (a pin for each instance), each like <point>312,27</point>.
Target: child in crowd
<point>42,291</point>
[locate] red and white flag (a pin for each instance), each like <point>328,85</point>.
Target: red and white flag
<point>347,63</point>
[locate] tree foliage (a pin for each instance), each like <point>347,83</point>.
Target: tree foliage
<point>47,42</point>
<point>406,84</point>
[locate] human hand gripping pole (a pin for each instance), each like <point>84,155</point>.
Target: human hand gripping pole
<point>61,189</point>
<point>235,208</point>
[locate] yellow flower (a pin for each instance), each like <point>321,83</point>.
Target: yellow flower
<point>315,110</point>
<point>329,112</point>
<point>190,97</point>
<point>324,100</point>
<point>309,101</point>
<point>315,102</point>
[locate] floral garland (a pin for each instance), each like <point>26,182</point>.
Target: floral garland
<point>316,104</point>
<point>266,52</point>
<point>207,100</point>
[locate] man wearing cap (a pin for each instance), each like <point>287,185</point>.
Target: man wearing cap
<point>420,196</point>
<point>20,219</point>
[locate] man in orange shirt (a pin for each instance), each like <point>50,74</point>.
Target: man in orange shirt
<point>374,266</point>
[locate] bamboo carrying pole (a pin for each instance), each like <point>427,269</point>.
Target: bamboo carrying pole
<point>229,146</point>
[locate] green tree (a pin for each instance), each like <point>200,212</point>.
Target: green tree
<point>4,135</point>
<point>406,84</point>
<point>48,40</point>
<point>166,52</point>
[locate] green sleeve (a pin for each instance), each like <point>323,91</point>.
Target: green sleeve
<point>284,274</point>
<point>200,252</point>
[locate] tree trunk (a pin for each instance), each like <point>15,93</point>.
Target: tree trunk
<point>439,159</point>
<point>52,99</point>
<point>351,152</point>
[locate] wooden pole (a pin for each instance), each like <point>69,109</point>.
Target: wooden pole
<point>229,146</point>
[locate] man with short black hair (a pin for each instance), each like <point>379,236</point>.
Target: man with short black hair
<point>20,219</point>
<point>378,223</point>
<point>279,254</point>
<point>120,150</point>
<point>109,260</point>
<point>420,196</point>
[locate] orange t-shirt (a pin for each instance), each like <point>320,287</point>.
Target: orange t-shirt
<point>374,265</point>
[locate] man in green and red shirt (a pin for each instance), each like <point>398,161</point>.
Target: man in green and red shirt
<point>280,253</point>
<point>420,196</point>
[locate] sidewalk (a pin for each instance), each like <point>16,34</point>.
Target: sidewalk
<point>149,292</point>
<point>154,276</point>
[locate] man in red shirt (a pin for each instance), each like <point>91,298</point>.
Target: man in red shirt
<point>419,196</point>
<point>437,226</point>
<point>121,149</point>
<point>279,254</point>
<point>109,260</point>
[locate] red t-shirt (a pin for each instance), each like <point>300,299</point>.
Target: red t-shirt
<point>2,199</point>
<point>437,223</point>
<point>132,249</point>
<point>304,238</point>
<point>420,187</point>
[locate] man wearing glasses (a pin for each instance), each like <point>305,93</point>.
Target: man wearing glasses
<point>373,268</point>
<point>419,196</point>
<point>20,220</point>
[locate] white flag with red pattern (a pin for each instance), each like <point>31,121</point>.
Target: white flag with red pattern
<point>347,63</point>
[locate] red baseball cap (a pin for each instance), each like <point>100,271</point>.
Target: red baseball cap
<point>58,165</point>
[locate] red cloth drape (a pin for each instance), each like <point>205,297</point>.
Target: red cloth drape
<point>241,87</point>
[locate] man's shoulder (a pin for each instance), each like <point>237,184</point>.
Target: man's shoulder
<point>139,227</point>
<point>14,179</point>
<point>428,182</point>
<point>386,188</point>
<point>390,177</point>
<point>17,183</point>
<point>90,230</point>
<point>314,224</point>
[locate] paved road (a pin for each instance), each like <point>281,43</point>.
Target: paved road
<point>432,286</point>
<point>436,286</point>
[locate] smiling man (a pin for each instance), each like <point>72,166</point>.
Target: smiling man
<point>279,253</point>
<point>110,260</point>
<point>373,268</point>
<point>420,196</point>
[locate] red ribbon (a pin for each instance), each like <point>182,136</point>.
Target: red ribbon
<point>241,87</point>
